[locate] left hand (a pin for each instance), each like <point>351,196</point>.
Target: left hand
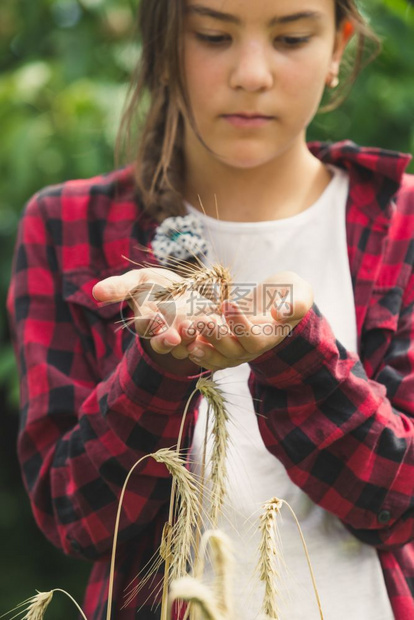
<point>239,339</point>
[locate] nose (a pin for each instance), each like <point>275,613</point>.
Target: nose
<point>251,70</point>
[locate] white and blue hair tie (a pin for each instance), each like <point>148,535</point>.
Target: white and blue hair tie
<point>180,238</point>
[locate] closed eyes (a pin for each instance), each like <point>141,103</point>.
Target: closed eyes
<point>223,39</point>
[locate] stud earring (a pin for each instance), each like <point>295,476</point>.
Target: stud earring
<point>333,81</point>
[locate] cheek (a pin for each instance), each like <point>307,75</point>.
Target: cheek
<point>304,83</point>
<point>304,78</point>
<point>203,78</point>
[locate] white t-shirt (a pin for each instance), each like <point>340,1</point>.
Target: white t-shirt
<point>348,573</point>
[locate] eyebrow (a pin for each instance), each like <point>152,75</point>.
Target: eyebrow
<point>198,9</point>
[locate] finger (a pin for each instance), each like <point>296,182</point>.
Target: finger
<point>166,341</point>
<point>188,332</point>
<point>117,288</point>
<point>205,355</point>
<point>174,339</point>
<point>180,352</point>
<point>292,313</point>
<point>150,326</point>
<point>242,328</point>
<point>256,336</point>
<point>220,337</point>
<point>145,309</point>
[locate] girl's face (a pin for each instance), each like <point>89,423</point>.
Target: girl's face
<point>255,73</point>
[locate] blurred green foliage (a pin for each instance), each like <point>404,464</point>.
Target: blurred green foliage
<point>64,68</point>
<point>379,109</point>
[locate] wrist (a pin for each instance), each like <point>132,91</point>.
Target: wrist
<point>169,363</point>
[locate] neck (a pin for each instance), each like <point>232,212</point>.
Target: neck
<point>282,188</point>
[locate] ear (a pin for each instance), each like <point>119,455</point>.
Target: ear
<point>343,35</point>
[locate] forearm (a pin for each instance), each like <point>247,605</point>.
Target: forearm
<point>92,401</point>
<point>75,481</point>
<point>335,430</point>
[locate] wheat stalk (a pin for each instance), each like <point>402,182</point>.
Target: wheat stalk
<point>218,475</point>
<point>305,548</point>
<point>167,539</point>
<point>178,535</point>
<point>176,545</point>
<point>35,607</point>
<point>153,565</point>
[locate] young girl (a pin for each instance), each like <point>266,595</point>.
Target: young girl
<point>321,414</point>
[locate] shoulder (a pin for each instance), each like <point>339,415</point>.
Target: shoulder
<point>89,222</point>
<point>402,221</point>
<point>401,228</point>
<point>376,174</point>
<point>405,195</point>
<point>83,198</point>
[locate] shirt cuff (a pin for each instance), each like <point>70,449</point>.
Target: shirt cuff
<point>148,385</point>
<point>305,350</point>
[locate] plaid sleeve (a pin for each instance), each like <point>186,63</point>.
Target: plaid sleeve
<point>80,434</point>
<point>347,440</point>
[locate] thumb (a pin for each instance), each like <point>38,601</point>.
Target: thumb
<point>291,313</point>
<point>117,288</point>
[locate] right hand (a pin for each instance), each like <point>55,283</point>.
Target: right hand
<point>168,335</point>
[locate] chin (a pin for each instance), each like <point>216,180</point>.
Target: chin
<point>251,153</point>
<point>249,160</point>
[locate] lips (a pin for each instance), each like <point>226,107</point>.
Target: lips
<point>248,119</point>
<point>248,115</point>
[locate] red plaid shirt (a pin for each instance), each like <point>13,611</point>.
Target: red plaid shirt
<point>93,403</point>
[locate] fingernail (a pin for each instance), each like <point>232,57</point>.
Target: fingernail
<point>190,331</point>
<point>168,343</point>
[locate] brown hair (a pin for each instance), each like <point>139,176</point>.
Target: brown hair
<point>157,100</point>
<point>366,47</point>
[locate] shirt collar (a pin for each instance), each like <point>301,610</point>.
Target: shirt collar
<point>375,173</point>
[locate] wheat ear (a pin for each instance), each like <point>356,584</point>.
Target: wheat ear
<point>209,389</point>
<point>216,603</point>
<point>193,591</point>
<point>178,537</point>
<point>212,282</point>
<point>35,607</point>
<point>167,540</point>
<point>182,534</point>
<point>222,562</point>
<point>218,475</point>
<point>268,555</point>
